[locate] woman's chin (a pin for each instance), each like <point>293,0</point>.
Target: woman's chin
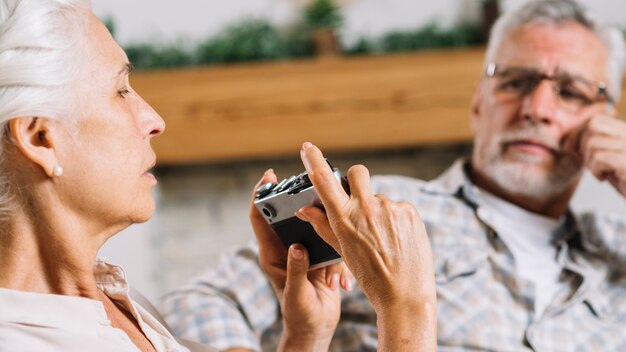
<point>144,213</point>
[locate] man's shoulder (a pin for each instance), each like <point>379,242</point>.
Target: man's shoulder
<point>395,183</point>
<point>604,232</point>
<point>602,224</point>
<point>438,205</point>
<point>403,188</point>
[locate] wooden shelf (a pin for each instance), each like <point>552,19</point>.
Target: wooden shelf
<point>346,104</point>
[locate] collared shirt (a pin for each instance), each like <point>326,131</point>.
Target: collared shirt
<point>534,252</point>
<point>36,322</point>
<point>483,303</point>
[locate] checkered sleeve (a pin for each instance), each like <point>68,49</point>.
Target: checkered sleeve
<point>227,306</point>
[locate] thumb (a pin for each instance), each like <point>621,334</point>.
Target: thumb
<point>297,269</point>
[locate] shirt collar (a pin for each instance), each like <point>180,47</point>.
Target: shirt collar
<point>451,181</point>
<point>574,240</point>
<point>111,279</point>
<point>77,314</point>
<point>455,181</point>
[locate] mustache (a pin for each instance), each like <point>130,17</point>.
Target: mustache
<point>536,135</point>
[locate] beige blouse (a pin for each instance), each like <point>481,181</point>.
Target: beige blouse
<point>45,322</point>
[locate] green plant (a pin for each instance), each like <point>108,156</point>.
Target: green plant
<point>150,56</point>
<point>258,39</point>
<point>298,41</point>
<point>249,40</point>
<point>361,47</point>
<point>322,14</point>
<point>431,36</point>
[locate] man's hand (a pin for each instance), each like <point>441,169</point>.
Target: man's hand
<point>309,301</point>
<point>601,144</point>
<point>385,245</point>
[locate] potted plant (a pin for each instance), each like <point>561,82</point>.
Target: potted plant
<point>323,18</point>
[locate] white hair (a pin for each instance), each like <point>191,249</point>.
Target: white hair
<point>557,12</point>
<point>37,60</point>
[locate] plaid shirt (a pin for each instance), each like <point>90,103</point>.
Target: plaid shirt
<point>483,303</point>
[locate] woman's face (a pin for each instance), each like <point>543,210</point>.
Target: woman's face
<point>106,153</point>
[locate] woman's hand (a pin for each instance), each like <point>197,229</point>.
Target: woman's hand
<point>385,245</point>
<point>309,301</point>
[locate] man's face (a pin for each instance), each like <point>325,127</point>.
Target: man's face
<point>518,141</point>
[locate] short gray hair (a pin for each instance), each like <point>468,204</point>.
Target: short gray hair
<point>37,56</point>
<point>558,12</point>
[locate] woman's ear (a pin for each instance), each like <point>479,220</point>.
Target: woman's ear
<point>34,138</point>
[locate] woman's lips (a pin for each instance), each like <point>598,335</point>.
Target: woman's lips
<point>148,172</point>
<point>150,176</point>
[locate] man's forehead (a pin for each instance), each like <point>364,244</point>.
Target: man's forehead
<point>567,47</point>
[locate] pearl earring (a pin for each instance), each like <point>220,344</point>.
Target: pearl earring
<point>57,171</point>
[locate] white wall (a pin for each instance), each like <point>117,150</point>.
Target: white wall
<point>134,251</point>
<point>139,20</point>
<point>600,196</point>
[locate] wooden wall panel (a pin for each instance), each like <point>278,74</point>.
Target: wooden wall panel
<point>345,104</point>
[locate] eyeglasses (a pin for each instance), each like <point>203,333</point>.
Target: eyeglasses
<point>573,93</point>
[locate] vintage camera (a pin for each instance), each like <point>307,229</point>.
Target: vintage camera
<point>279,201</point>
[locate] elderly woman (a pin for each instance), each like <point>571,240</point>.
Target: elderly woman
<point>75,160</point>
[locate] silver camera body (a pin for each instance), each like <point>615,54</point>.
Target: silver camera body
<point>278,203</point>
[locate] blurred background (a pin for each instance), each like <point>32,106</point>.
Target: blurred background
<point>241,84</point>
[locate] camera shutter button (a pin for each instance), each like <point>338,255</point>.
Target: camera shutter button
<point>264,189</point>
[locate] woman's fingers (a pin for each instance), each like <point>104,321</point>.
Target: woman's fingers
<point>268,176</point>
<point>338,275</point>
<point>359,180</point>
<point>318,219</point>
<point>328,187</point>
<point>297,270</point>
<point>346,279</point>
<point>272,252</point>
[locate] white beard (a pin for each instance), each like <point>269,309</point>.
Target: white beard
<point>524,174</point>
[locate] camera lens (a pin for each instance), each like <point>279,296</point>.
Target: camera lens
<point>268,211</point>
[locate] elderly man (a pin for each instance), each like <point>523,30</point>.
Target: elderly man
<point>516,270</point>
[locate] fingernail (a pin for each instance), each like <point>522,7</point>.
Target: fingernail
<point>305,158</point>
<point>334,282</point>
<point>297,253</point>
<point>300,215</point>
<point>268,171</point>
<point>349,285</point>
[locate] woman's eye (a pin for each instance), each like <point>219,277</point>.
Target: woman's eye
<point>123,92</point>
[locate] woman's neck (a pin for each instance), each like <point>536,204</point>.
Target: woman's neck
<point>48,253</point>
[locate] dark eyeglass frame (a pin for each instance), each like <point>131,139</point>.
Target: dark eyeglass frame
<point>493,70</point>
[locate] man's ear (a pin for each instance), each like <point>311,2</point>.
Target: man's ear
<point>34,138</point>
<point>476,105</point>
